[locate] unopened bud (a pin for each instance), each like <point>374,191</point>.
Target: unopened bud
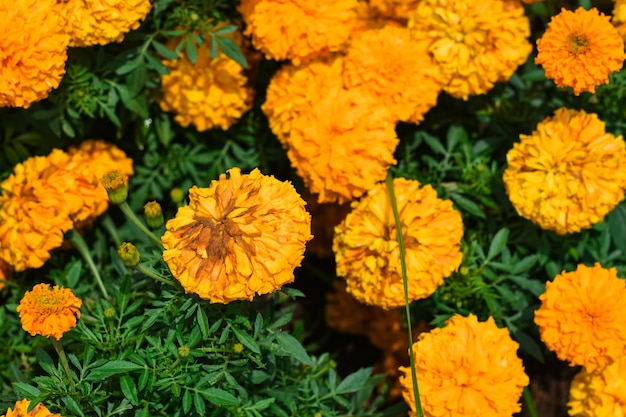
<point>154,214</point>
<point>178,196</point>
<point>129,254</point>
<point>116,185</point>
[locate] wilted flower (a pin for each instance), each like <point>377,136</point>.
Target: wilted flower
<point>98,22</point>
<point>569,174</point>
<point>367,252</point>
<point>49,312</point>
<point>21,410</point>
<point>298,29</point>
<point>242,236</point>
<point>34,51</point>
<point>600,393</point>
<point>467,368</point>
<point>582,317</point>
<point>580,49</point>
<point>397,69</point>
<point>476,42</point>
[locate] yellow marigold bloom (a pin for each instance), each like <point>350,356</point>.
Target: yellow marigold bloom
<point>569,174</point>
<point>582,317</point>
<point>467,368</point>
<point>21,410</point>
<point>342,145</point>
<point>476,42</point>
<point>580,49</point>
<point>398,70</point>
<point>49,311</point>
<point>293,88</point>
<point>99,22</point>
<point>34,51</point>
<point>395,9</point>
<point>618,18</point>
<point>600,393</point>
<point>298,29</point>
<point>212,93</point>
<point>43,198</point>
<point>366,246</point>
<point>242,236</point>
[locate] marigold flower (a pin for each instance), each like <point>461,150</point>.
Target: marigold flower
<point>467,368</point>
<point>324,218</point>
<point>343,145</point>
<point>21,410</point>
<point>580,49</point>
<point>366,246</point>
<point>582,317</point>
<point>395,9</point>
<point>618,18</point>
<point>242,236</point>
<point>43,198</point>
<point>346,314</point>
<point>208,94</point>
<point>298,29</point>
<point>396,69</point>
<point>600,393</point>
<point>476,42</point>
<point>567,175</point>
<point>99,22</point>
<point>293,88</point>
<point>5,273</point>
<point>129,254</point>
<point>116,186</point>
<point>49,311</point>
<point>34,51</point>
<point>154,214</point>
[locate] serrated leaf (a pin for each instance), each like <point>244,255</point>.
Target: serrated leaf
<point>354,381</point>
<point>26,390</point>
<point>219,397</point>
<point>529,345</point>
<point>129,389</point>
<point>291,346</point>
<point>187,401</point>
<point>231,50</point>
<point>164,51</point>
<point>203,322</point>
<point>198,404</point>
<point>226,30</point>
<point>73,406</point>
<point>246,340</point>
<point>112,368</point>
<point>498,243</point>
<point>467,205</point>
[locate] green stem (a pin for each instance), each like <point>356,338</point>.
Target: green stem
<point>63,358</point>
<point>396,216</point>
<point>133,218</point>
<point>528,398</point>
<point>79,243</point>
<point>149,273</point>
<point>108,224</point>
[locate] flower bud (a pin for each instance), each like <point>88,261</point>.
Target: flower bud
<point>184,351</point>
<point>129,254</point>
<point>178,196</point>
<point>154,214</point>
<point>116,185</point>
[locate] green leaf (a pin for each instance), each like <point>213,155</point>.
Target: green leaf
<point>232,50</point>
<point>73,406</point>
<point>263,404</point>
<point>129,389</point>
<point>219,397</point>
<point>292,347</point>
<point>498,243</point>
<point>354,381</point>
<point>128,66</point>
<point>26,390</point>
<point>164,51</point>
<point>529,345</point>
<point>616,221</point>
<point>226,30</point>
<point>187,400</point>
<point>73,274</point>
<point>191,51</point>
<point>467,205</point>
<point>246,340</point>
<point>112,368</point>
<point>434,144</point>
<point>203,322</point>
<point>198,404</point>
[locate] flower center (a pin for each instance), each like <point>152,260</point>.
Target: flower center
<point>577,44</point>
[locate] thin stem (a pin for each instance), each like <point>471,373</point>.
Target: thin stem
<point>133,218</point>
<point>149,273</point>
<point>80,245</point>
<point>396,216</point>
<point>63,358</point>
<point>528,398</point>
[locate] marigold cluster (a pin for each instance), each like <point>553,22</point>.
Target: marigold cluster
<point>580,49</point>
<point>467,368</point>
<point>241,236</point>
<point>618,18</point>
<point>49,311</point>
<point>34,51</point>
<point>569,174</point>
<point>99,22</point>
<point>210,93</point>
<point>600,393</point>
<point>476,42</point>
<point>396,69</point>
<point>298,30</point>
<point>395,9</point>
<point>582,317</point>
<point>21,410</point>
<point>367,252</point>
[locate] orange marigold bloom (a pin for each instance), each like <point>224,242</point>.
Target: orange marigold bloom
<point>366,246</point>
<point>476,42</point>
<point>242,236</point>
<point>49,311</point>
<point>5,273</point>
<point>582,317</point>
<point>208,94</point>
<point>569,174</point>
<point>395,9</point>
<point>346,314</point>
<point>398,70</point>
<point>33,49</point>
<point>618,18</point>
<point>298,29</point>
<point>600,393</point>
<point>580,49</point>
<point>343,145</point>
<point>41,200</point>
<point>293,88</point>
<point>21,410</point>
<point>99,22</point>
<point>467,368</point>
